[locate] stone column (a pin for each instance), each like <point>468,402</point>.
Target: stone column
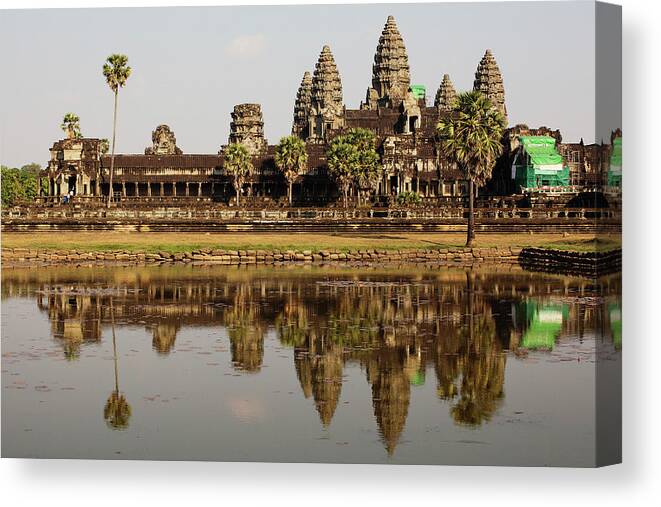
<point>162,193</point>
<point>174,189</point>
<point>148,189</point>
<point>199,189</point>
<point>137,189</point>
<point>187,190</point>
<point>123,189</point>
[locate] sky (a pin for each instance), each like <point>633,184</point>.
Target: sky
<point>191,65</point>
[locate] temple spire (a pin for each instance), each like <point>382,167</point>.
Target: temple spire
<point>390,73</point>
<point>489,81</point>
<point>302,106</point>
<point>446,95</point>
<point>326,107</point>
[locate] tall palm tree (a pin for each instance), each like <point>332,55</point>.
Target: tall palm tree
<point>238,164</point>
<point>71,126</point>
<point>116,71</point>
<point>471,137</point>
<point>292,159</point>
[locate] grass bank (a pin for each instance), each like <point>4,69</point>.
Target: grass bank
<point>100,241</point>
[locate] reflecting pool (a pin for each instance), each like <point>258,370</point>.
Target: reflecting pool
<point>317,364</point>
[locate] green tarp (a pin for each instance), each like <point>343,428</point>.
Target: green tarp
<point>419,91</point>
<point>541,150</point>
<point>616,155</point>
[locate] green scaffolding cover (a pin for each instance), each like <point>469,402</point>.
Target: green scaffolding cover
<point>419,91</point>
<point>541,150</point>
<point>616,155</point>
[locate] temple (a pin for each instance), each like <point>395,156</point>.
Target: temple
<point>395,110</point>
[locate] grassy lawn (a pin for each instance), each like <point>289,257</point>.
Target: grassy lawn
<point>186,242</point>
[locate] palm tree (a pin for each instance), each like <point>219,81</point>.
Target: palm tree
<point>471,137</point>
<point>343,158</point>
<point>292,159</point>
<point>368,172</point>
<point>116,71</point>
<point>71,126</point>
<point>353,160</point>
<point>238,164</point>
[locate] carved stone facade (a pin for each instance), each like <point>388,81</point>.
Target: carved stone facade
<point>302,107</point>
<point>446,95</point>
<point>247,128</point>
<point>390,73</point>
<point>74,167</point>
<point>326,107</point>
<point>489,81</point>
<point>163,142</point>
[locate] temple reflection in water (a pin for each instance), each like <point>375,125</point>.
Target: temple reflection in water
<point>397,326</point>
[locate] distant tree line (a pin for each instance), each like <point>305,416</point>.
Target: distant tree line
<point>19,184</point>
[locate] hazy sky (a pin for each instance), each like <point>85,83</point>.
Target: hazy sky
<point>191,65</point>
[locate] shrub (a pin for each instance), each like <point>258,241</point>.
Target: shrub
<point>408,199</point>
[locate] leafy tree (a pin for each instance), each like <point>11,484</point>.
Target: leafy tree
<point>32,168</point>
<point>71,126</point>
<point>292,159</point>
<point>471,138</point>
<point>353,160</point>
<point>116,71</point>
<point>343,158</point>
<point>18,185</point>
<point>104,145</point>
<point>238,164</point>
<point>368,172</point>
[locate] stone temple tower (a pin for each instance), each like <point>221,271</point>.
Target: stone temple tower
<point>302,107</point>
<point>247,128</point>
<point>489,81</point>
<point>163,142</point>
<point>326,107</point>
<point>391,77</point>
<point>446,95</point>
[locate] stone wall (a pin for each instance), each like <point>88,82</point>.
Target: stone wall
<point>454,256</point>
<point>580,263</point>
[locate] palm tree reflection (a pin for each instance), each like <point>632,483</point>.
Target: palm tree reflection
<point>117,410</point>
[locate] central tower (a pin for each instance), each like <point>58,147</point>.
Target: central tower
<point>391,76</point>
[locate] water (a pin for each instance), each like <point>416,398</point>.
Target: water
<point>407,365</point>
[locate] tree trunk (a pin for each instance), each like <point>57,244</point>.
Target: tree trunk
<point>238,192</point>
<point>112,153</point>
<point>291,197</point>
<point>471,218</point>
<point>346,197</point>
